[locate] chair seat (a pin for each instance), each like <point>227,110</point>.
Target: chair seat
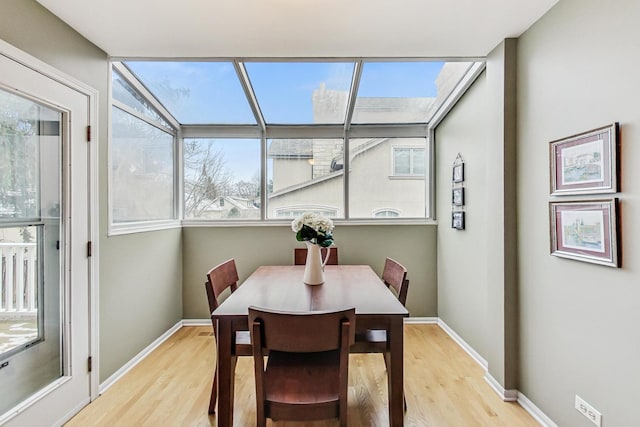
<point>302,378</point>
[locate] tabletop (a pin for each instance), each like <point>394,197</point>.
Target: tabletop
<point>282,288</point>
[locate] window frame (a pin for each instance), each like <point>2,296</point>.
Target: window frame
<point>174,131</point>
<point>263,132</point>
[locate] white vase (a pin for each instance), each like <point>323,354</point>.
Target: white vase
<point>314,267</point>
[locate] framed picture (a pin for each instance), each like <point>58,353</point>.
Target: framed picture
<point>586,231</point>
<point>586,163</point>
<point>457,196</point>
<point>457,220</point>
<point>458,172</point>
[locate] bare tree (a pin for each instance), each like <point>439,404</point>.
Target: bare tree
<point>205,176</point>
<point>248,189</point>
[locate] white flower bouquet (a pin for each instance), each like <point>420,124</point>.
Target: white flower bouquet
<point>313,228</point>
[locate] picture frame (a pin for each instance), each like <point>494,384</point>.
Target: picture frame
<point>457,196</point>
<point>458,172</point>
<point>586,162</point>
<point>457,220</point>
<point>586,231</point>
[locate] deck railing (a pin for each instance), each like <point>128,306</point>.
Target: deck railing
<point>18,280</point>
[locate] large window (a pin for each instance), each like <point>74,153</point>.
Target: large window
<point>142,170</point>
<point>387,175</point>
<point>221,178</point>
<point>142,178</point>
<point>305,172</point>
<point>270,139</point>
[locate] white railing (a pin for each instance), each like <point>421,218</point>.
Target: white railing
<point>18,279</point>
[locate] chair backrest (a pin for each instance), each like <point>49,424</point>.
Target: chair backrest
<point>219,278</point>
<point>394,276</point>
<point>307,373</point>
<point>300,256</point>
<point>306,332</point>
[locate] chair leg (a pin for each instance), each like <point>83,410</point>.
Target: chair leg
<point>343,417</point>
<point>261,420</point>
<point>214,394</point>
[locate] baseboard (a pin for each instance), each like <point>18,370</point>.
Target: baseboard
<point>196,322</point>
<point>506,395</point>
<point>420,320</point>
<point>104,386</point>
<point>535,412</point>
<point>462,343</point>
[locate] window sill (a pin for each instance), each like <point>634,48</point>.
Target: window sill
<point>142,227</point>
<point>287,222</point>
<point>414,177</point>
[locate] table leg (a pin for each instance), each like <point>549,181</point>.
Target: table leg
<point>225,366</point>
<point>395,373</point>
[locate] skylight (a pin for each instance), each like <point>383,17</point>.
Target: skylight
<point>396,92</point>
<point>309,92</point>
<point>292,92</point>
<point>196,92</point>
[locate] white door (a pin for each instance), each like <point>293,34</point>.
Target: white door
<point>45,230</point>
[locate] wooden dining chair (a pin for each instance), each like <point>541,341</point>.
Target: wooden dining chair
<point>300,256</point>
<point>307,369</point>
<point>394,275</point>
<point>220,278</point>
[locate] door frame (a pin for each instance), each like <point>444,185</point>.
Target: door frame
<point>9,51</point>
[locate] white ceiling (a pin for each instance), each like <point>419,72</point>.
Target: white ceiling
<point>298,28</point>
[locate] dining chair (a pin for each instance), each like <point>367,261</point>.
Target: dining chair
<point>220,278</point>
<point>394,276</point>
<point>300,256</point>
<point>307,369</point>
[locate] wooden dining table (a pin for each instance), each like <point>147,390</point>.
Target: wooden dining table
<point>282,288</point>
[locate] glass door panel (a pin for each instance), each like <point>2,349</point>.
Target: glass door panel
<point>31,339</point>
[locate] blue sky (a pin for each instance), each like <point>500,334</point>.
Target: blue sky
<point>210,92</point>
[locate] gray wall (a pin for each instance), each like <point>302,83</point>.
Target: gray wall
<point>577,70</point>
<point>140,275</point>
<point>463,255</point>
<point>412,245</point>
<point>479,301</point>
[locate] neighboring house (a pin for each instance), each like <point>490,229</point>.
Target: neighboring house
<point>229,207</point>
<point>386,180</point>
<point>387,175</point>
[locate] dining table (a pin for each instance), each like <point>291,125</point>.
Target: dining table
<point>282,288</point>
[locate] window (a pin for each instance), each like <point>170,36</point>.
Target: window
<point>315,92</point>
<point>221,178</point>
<point>371,185</point>
<point>196,92</point>
<point>386,213</point>
<point>408,161</point>
<point>265,139</point>
<point>142,171</point>
<point>397,92</point>
<point>142,177</point>
<point>304,172</point>
<point>299,210</point>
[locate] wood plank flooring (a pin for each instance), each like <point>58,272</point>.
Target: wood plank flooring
<point>444,388</point>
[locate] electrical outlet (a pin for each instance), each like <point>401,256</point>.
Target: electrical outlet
<point>588,411</point>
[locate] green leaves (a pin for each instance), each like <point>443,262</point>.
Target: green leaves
<point>308,234</point>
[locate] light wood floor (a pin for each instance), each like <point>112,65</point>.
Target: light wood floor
<point>444,387</point>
